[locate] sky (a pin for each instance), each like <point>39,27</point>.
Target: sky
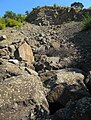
<point>20,6</point>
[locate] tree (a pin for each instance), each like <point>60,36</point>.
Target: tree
<point>9,14</point>
<point>77,5</point>
<point>27,13</point>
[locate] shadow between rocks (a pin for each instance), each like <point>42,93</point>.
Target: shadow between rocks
<point>82,42</point>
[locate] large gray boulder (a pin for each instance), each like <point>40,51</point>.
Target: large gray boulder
<point>64,85</point>
<point>22,98</point>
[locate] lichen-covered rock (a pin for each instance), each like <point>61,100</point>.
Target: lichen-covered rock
<point>22,98</point>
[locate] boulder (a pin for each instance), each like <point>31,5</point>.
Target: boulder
<point>22,98</point>
<point>77,110</point>
<point>64,85</point>
<point>8,69</point>
<point>25,53</point>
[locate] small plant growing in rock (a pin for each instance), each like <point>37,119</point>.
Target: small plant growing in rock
<point>86,21</point>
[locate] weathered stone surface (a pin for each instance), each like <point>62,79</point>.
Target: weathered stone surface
<point>77,110</point>
<point>65,85</point>
<point>25,53</point>
<point>8,69</point>
<point>21,98</point>
<point>4,53</point>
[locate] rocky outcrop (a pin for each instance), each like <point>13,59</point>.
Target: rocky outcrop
<point>55,15</point>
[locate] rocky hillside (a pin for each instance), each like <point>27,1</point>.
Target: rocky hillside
<point>49,15</point>
<point>45,71</point>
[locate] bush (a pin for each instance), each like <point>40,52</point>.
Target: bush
<point>11,23</point>
<point>14,16</point>
<point>86,22</point>
<point>2,23</point>
<point>2,26</point>
<point>20,18</point>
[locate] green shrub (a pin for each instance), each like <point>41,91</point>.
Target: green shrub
<point>2,23</point>
<point>14,16</point>
<point>20,18</point>
<point>2,26</point>
<point>86,21</point>
<point>11,23</point>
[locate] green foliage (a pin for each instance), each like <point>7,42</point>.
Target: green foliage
<point>27,13</point>
<point>14,16</point>
<point>11,23</point>
<point>9,14</point>
<point>11,19</point>
<point>86,21</point>
<point>2,23</point>
<point>20,18</point>
<point>77,5</point>
<point>2,26</point>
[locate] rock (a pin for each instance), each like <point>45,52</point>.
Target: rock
<point>3,37</point>
<point>87,82</point>
<point>77,110</point>
<point>53,59</point>
<point>4,53</point>
<point>31,71</point>
<point>25,53</point>
<point>15,61</point>
<point>8,69</point>
<point>65,85</point>
<point>22,98</point>
<point>55,44</point>
<point>39,66</point>
<point>11,49</point>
